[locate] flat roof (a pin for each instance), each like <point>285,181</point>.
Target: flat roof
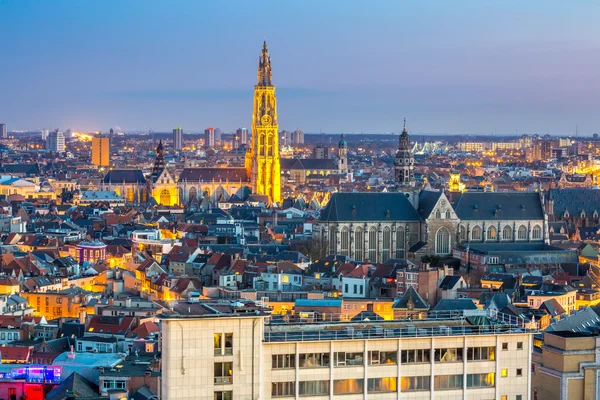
<point>213,309</point>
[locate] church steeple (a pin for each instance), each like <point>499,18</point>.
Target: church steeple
<point>264,67</point>
<point>159,161</point>
<point>405,162</point>
<point>262,159</point>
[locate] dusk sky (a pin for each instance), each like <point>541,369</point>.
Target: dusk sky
<point>339,66</point>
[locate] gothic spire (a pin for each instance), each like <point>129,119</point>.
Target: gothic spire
<point>264,67</point>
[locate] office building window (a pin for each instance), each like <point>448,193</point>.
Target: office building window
<point>313,388</point>
<point>229,343</point>
<point>415,383</point>
<point>481,353</point>
<point>223,373</point>
<point>280,389</point>
<point>504,372</point>
<point>504,346</point>
<point>416,356</point>
<point>377,357</point>
<point>282,361</point>
<point>343,359</point>
<point>224,395</point>
<point>481,380</point>
<point>348,386</point>
<point>312,360</point>
<point>448,355</point>
<point>382,385</point>
<point>448,382</point>
<point>519,345</point>
<point>519,372</point>
<point>504,397</point>
<point>218,343</point>
<point>519,397</point>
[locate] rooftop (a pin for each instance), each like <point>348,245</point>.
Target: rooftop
<point>213,309</point>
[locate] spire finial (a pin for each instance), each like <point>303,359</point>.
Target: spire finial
<point>404,124</point>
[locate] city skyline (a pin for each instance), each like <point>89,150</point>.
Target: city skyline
<point>357,69</point>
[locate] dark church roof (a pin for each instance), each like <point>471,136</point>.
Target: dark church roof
<point>427,200</point>
<point>75,386</point>
<point>237,174</point>
<point>20,169</point>
<point>499,206</point>
<point>574,201</point>
<point>308,164</point>
<point>124,176</point>
<point>369,207</point>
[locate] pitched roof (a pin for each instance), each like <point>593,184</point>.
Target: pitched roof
<point>499,206</point>
<point>144,330</point>
<point>574,201</point>
<point>76,386</point>
<point>411,295</point>
<point>369,207</point>
<point>455,305</point>
<point>124,176</point>
<point>427,200</point>
<point>109,324</point>
<point>238,174</point>
<point>308,164</point>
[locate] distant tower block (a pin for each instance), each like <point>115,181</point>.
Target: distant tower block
<point>262,160</point>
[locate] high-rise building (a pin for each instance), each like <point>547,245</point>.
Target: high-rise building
<point>177,139</point>
<point>56,142</point>
<point>405,162</point>
<point>262,160</point>
<point>298,137</point>
<point>45,133</point>
<point>218,134</point>
<point>321,152</point>
<point>285,138</point>
<point>68,134</point>
<point>209,138</point>
<point>101,151</point>
<point>472,356</point>
<point>242,135</point>
<point>3,132</point>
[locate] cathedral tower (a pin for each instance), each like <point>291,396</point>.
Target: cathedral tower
<point>405,162</point>
<point>262,159</point>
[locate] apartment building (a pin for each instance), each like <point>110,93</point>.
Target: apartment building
<point>227,350</point>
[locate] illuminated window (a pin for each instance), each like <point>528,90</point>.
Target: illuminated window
<point>223,395</point>
<point>504,372</point>
<point>382,385</point>
<point>448,355</point>
<point>312,360</point>
<point>491,233</point>
<point>223,373</point>
<point>415,383</point>
<point>481,380</point>
<point>347,386</point>
<point>377,357</point>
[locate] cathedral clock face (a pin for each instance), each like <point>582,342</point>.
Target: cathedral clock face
<point>265,120</point>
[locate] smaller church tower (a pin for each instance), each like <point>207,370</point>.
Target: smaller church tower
<point>454,184</point>
<point>405,162</point>
<point>343,156</point>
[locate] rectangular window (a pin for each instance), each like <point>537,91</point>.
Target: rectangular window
<point>314,388</point>
<point>377,357</point>
<point>348,386</point>
<point>448,382</point>
<point>343,359</point>
<point>504,372</point>
<point>519,397</point>
<point>416,356</point>
<point>283,361</point>
<point>504,346</point>
<point>414,383</point>
<point>313,360</point>
<point>519,345</point>
<point>481,353</point>
<point>346,288</point>
<point>224,395</point>
<point>280,389</point>
<point>449,355</point>
<point>355,289</point>
<point>223,373</point>
<point>519,372</point>
<point>361,289</point>
<point>218,343</point>
<point>382,385</point>
<point>481,380</point>
<point>229,343</point>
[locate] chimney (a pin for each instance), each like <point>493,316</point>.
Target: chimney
<point>82,315</point>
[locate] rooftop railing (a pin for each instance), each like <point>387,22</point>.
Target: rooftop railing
<point>434,325</point>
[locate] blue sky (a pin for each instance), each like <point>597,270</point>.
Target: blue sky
<point>339,66</point>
